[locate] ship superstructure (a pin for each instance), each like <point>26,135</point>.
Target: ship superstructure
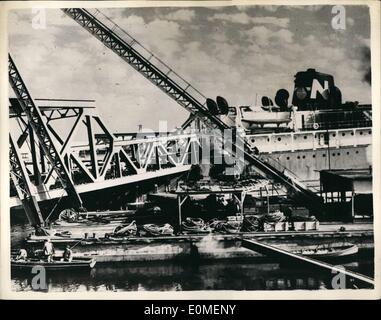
<point>311,132</point>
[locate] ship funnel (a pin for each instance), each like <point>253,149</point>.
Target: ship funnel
<point>223,105</point>
<point>212,106</point>
<point>266,101</point>
<point>281,99</point>
<point>315,90</point>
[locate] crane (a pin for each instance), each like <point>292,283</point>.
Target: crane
<point>182,96</point>
<point>39,127</point>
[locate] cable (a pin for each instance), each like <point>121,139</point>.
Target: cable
<point>55,206</point>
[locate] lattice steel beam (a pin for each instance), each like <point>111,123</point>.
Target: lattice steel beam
<point>23,186</point>
<point>144,66</point>
<point>39,127</point>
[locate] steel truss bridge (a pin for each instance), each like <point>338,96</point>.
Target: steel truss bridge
<point>100,160</point>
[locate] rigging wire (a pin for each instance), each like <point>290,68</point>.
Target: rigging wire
<point>55,206</point>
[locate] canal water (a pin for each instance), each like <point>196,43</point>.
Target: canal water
<point>230,274</point>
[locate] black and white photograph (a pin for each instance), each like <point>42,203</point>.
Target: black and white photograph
<point>191,146</point>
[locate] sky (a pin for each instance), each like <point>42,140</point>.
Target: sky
<point>237,52</point>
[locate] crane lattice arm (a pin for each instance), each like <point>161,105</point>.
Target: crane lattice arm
<point>126,51</point>
<point>23,186</point>
<point>39,127</point>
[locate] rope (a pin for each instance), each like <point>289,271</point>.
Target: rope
<point>55,206</point>
<point>76,243</point>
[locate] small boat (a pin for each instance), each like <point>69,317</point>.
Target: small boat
<point>223,226</point>
<point>152,229</point>
<point>57,264</point>
<point>232,226</point>
<point>126,230</point>
<point>324,252</point>
<point>194,225</point>
<point>276,216</point>
<point>250,117</point>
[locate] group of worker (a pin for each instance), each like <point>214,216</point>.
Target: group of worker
<point>48,252</point>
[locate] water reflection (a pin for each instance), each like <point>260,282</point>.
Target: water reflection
<point>166,276</point>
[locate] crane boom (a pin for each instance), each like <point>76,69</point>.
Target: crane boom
<point>39,127</point>
<point>162,80</point>
<point>135,59</point>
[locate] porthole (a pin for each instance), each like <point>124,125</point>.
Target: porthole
<point>298,157</point>
<point>252,140</point>
<point>304,157</point>
<point>343,134</point>
<point>347,152</point>
<point>288,158</point>
<point>279,139</point>
<point>333,154</point>
<point>338,154</point>
<point>370,132</point>
<point>357,152</point>
<point>268,139</point>
<point>305,137</point>
<point>334,135</point>
<point>313,156</point>
<point>352,133</point>
<point>361,133</point>
<point>323,155</point>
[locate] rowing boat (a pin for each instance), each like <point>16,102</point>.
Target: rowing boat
<point>57,264</point>
<point>329,251</point>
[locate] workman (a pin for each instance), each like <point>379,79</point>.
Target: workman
<point>48,250</point>
<point>68,254</point>
<point>23,255</point>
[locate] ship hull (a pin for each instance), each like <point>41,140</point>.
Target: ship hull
<point>306,164</point>
<point>304,154</point>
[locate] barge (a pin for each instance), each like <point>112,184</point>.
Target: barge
<point>205,247</point>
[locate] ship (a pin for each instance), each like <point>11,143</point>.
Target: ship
<point>312,131</point>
